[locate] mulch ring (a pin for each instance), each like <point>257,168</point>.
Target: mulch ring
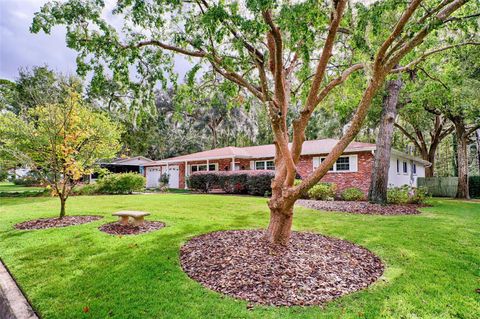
<point>311,270</point>
<point>360,207</point>
<point>117,228</point>
<point>45,223</point>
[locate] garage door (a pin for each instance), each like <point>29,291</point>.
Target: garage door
<point>174,179</point>
<point>153,177</point>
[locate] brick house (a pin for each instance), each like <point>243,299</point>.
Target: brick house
<point>352,169</point>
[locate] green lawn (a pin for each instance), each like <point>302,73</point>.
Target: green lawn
<point>10,187</point>
<point>432,260</point>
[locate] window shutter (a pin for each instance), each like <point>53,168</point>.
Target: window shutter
<point>252,165</point>
<point>316,162</point>
<point>353,163</point>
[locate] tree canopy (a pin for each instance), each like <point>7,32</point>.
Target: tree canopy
<point>62,142</point>
<point>289,55</point>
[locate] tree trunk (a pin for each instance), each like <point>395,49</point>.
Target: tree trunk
<point>280,226</point>
<point>62,206</point>
<point>462,164</point>
<point>455,154</point>
<point>430,169</point>
<point>379,182</point>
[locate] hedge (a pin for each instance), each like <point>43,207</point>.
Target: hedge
<point>474,186</point>
<point>122,183</point>
<point>233,182</point>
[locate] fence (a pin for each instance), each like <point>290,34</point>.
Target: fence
<point>439,186</point>
<point>447,186</point>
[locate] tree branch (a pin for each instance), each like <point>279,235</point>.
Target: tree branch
<point>412,64</point>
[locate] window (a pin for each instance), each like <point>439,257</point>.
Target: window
<point>398,166</point>
<point>405,167</point>
<point>414,169</point>
<point>343,163</point>
<point>259,165</point>
<point>264,165</point>
<point>321,160</point>
<point>202,167</point>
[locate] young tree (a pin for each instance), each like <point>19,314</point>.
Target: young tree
<point>268,49</point>
<point>61,141</point>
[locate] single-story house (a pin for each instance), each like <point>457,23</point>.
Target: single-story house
<point>352,169</point>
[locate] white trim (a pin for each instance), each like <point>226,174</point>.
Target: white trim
<point>207,165</point>
<point>265,165</point>
<point>352,163</point>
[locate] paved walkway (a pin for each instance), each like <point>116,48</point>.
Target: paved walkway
<point>13,304</point>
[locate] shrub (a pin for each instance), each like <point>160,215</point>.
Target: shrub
<point>407,195</point>
<point>352,194</point>
<point>27,180</point>
<point>260,183</point>
<point>88,189</point>
<point>203,181</point>
<point>322,191</point>
<point>124,183</point>
<point>236,182</point>
<point>474,186</point>
<point>3,175</point>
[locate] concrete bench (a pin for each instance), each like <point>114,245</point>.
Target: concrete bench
<point>137,216</point>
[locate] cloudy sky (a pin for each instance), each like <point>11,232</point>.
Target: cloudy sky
<point>19,48</point>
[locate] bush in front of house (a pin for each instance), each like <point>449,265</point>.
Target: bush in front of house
<point>407,195</point>
<point>352,194</point>
<point>30,179</point>
<point>260,183</point>
<point>204,181</point>
<point>322,191</point>
<point>233,182</point>
<point>123,183</point>
<point>87,189</point>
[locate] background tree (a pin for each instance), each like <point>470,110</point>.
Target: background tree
<point>34,87</point>
<point>62,142</point>
<point>265,48</point>
<point>425,130</point>
<point>455,95</point>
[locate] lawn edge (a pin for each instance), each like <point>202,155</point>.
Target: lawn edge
<point>13,303</point>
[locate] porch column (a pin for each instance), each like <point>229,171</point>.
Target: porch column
<point>186,174</point>
<point>233,163</point>
<point>208,165</point>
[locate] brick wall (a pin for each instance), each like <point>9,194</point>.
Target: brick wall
<point>360,179</point>
<point>343,180</point>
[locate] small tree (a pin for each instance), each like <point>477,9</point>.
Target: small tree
<point>61,141</point>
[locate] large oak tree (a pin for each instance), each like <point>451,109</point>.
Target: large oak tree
<point>289,55</point>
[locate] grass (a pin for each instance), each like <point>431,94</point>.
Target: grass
<point>432,260</point>
<point>10,187</point>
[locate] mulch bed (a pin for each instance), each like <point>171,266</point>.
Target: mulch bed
<point>116,228</point>
<point>360,207</point>
<point>311,270</point>
<point>45,223</point>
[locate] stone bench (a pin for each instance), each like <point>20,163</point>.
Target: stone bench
<point>137,216</point>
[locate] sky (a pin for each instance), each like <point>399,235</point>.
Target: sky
<point>21,49</point>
